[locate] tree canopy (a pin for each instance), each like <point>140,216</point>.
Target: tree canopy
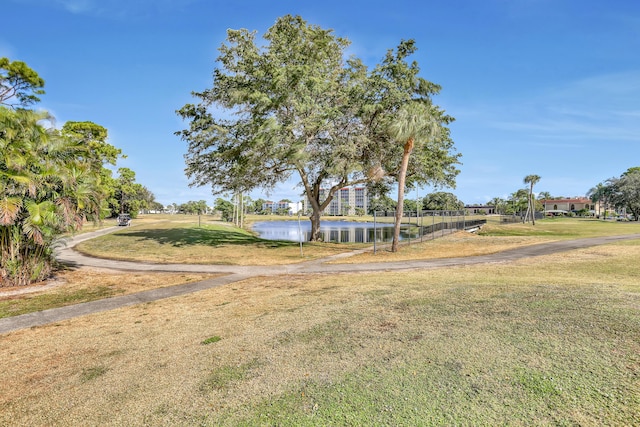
<point>19,84</point>
<point>441,200</point>
<point>297,106</point>
<point>623,192</point>
<point>128,195</point>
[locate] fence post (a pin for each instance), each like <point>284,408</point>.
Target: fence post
<point>409,227</point>
<point>375,232</point>
<point>433,225</point>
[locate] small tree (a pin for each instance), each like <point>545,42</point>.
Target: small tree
<point>601,194</point>
<point>257,206</point>
<point>382,203</point>
<point>518,202</point>
<point>128,195</point>
<point>499,203</point>
<point>225,208</point>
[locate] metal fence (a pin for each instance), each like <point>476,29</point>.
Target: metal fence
<point>431,224</point>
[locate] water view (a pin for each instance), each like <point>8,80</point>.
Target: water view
<point>332,231</point>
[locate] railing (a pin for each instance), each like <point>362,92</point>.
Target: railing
<point>432,230</point>
<point>430,223</point>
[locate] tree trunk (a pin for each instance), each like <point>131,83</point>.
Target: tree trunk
<point>313,194</point>
<point>532,205</point>
<point>408,147</point>
<point>315,225</point>
<point>533,210</point>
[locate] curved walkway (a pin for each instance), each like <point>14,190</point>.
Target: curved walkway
<point>237,273</point>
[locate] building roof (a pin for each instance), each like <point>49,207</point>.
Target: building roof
<point>567,200</point>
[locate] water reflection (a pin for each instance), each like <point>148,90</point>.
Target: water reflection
<point>333,231</point>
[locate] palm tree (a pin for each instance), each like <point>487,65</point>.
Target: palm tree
<point>517,201</point>
<point>601,195</point>
<point>20,137</point>
<point>415,123</point>
<point>531,180</point>
<point>544,195</point>
<point>46,189</point>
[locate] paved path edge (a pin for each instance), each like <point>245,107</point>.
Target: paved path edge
<point>238,273</point>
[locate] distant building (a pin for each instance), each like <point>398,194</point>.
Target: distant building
<point>480,209</point>
<point>346,201</point>
<point>291,208</point>
<point>568,205</point>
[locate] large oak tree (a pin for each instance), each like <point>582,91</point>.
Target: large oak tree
<point>282,109</point>
<point>297,106</point>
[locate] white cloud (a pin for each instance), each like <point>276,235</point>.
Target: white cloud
<point>120,9</point>
<point>78,6</point>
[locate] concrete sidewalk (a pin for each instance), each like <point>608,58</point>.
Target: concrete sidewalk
<point>236,273</point>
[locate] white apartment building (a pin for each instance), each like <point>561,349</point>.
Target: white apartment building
<point>346,200</point>
<point>283,205</point>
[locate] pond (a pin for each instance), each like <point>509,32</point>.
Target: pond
<point>333,231</point>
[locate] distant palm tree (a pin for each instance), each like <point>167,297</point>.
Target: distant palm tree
<point>415,123</point>
<point>601,195</point>
<point>531,180</point>
<point>544,195</point>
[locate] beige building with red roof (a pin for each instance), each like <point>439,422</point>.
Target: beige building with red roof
<point>568,205</point>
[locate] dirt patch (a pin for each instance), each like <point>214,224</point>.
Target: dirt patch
<point>34,287</point>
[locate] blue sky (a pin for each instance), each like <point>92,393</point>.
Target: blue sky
<point>546,87</point>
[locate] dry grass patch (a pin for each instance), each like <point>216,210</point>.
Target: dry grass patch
<point>460,244</point>
<point>550,340</point>
<point>86,284</point>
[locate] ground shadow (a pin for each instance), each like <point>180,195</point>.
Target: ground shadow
<point>181,237</point>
